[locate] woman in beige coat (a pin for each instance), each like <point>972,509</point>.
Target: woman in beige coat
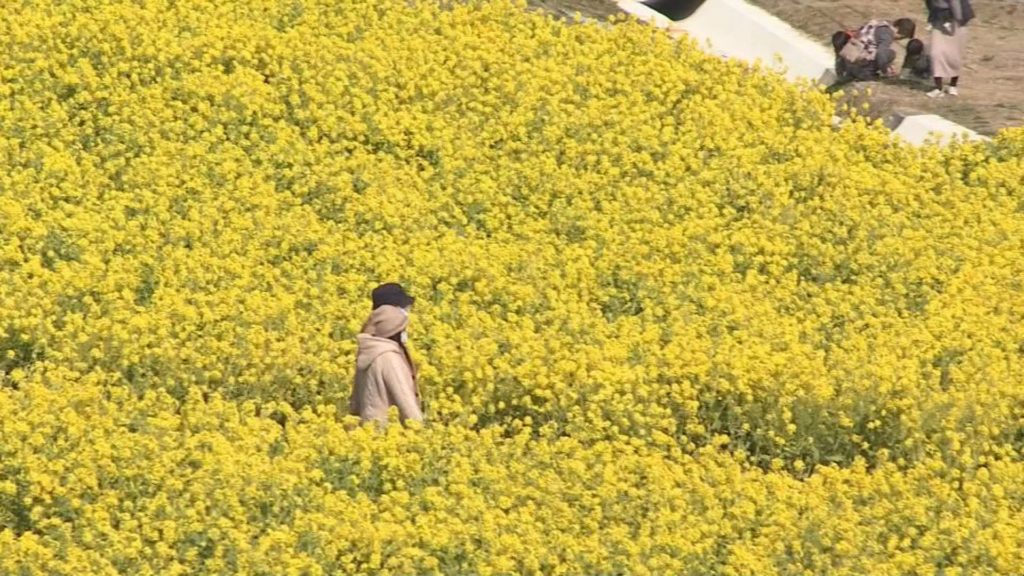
<point>384,372</point>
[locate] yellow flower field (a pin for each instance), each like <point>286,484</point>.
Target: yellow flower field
<point>669,319</point>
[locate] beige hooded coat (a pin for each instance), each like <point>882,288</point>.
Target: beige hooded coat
<point>383,372</point>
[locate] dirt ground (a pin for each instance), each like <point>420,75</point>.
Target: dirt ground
<point>597,9</point>
<point>991,88</point>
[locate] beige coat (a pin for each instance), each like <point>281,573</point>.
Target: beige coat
<point>383,379</point>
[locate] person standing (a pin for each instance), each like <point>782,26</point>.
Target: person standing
<point>393,294</point>
<point>384,372</point>
<point>948,19</point>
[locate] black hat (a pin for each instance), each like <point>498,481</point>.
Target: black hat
<point>391,294</point>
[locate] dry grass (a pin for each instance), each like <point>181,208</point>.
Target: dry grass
<point>992,87</point>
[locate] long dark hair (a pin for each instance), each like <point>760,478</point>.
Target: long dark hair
<point>397,339</point>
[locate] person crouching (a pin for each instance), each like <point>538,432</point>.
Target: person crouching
<point>867,53</point>
<point>917,65</point>
<point>384,373</point>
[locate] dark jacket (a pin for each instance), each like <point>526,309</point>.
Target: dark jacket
<point>917,67</point>
<point>941,12</point>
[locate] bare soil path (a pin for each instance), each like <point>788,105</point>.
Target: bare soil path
<point>597,9</point>
<point>992,86</point>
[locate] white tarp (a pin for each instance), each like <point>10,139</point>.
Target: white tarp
<point>930,127</point>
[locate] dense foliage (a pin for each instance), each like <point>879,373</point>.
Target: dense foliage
<point>670,320</point>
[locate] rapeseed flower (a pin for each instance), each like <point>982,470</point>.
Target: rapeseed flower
<point>670,320</point>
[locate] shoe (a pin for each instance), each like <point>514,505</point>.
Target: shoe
<point>936,93</point>
<point>952,91</point>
